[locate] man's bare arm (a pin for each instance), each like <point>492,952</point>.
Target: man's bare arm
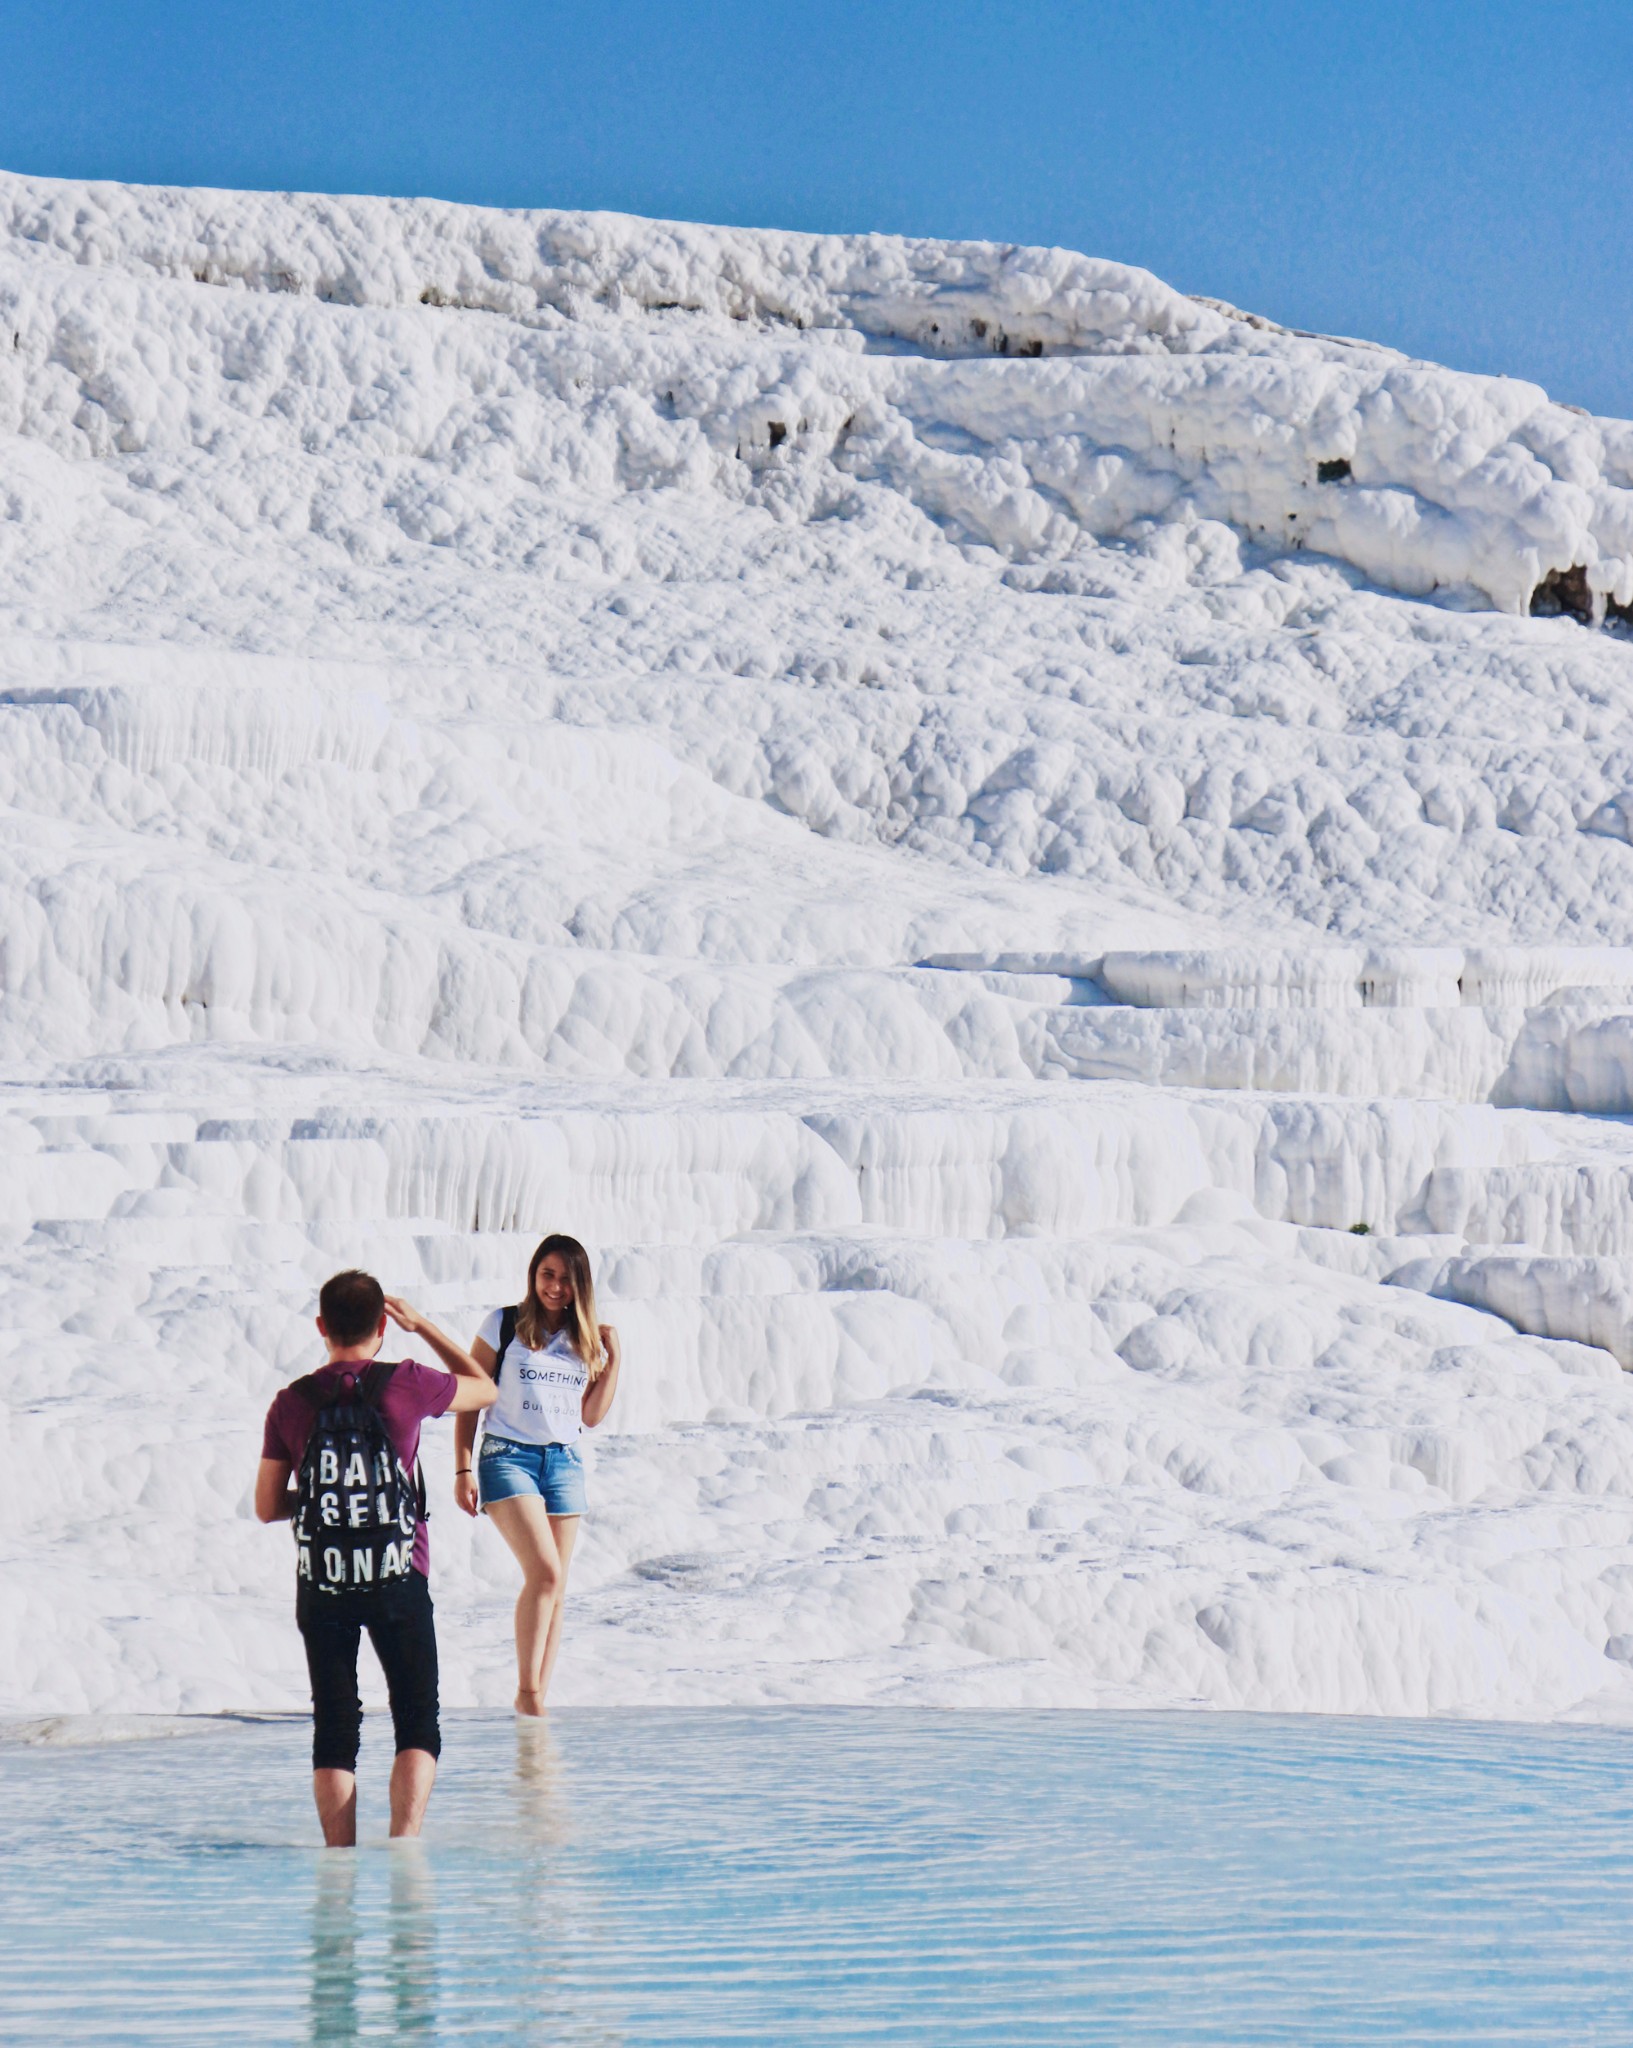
<point>475,1389</point>
<point>274,1496</point>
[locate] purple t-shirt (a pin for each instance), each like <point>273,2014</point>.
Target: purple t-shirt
<point>414,1394</point>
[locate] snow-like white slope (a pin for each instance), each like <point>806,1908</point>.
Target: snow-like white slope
<point>961,816</point>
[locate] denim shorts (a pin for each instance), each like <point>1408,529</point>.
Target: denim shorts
<point>553,1473</point>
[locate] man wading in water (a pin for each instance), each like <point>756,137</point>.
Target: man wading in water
<point>350,1435</point>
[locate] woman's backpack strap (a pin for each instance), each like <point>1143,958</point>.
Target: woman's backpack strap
<point>507,1337</point>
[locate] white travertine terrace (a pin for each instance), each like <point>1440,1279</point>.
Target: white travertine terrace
<point>906,793</point>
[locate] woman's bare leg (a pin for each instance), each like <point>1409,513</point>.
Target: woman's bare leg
<point>525,1526</point>
<point>565,1530</point>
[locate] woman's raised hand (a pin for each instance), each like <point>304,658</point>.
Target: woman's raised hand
<point>609,1343</point>
<point>465,1492</point>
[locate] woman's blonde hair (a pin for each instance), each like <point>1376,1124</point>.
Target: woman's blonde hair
<point>582,1326</point>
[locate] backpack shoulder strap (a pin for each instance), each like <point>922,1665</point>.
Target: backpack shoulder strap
<point>507,1337</point>
<point>318,1399</point>
<point>374,1379</point>
<point>372,1383</point>
<point>364,1384</point>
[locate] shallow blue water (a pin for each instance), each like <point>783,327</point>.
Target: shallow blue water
<point>851,1876</point>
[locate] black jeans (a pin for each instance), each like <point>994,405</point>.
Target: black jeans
<point>403,1631</point>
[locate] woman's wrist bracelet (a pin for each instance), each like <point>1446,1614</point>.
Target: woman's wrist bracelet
<point>460,1471</point>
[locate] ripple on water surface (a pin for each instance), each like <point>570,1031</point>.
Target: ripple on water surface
<point>782,1877</point>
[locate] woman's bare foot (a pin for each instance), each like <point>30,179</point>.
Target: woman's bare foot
<point>529,1700</point>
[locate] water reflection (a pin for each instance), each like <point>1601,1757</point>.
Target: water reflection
<point>553,1908</point>
<point>411,1962</point>
<point>543,1805</point>
<point>362,1987</point>
<point>332,2003</point>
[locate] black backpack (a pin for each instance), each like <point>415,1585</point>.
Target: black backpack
<point>357,1506</point>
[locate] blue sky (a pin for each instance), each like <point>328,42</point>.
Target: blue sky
<point>1451,178</point>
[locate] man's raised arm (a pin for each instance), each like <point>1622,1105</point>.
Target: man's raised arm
<point>475,1389</point>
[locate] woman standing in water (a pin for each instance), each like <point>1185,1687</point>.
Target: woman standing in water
<point>557,1370</point>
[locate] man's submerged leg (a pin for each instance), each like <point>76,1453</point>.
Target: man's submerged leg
<point>412,1776</point>
<point>331,1635</point>
<point>336,1796</point>
<point>405,1640</point>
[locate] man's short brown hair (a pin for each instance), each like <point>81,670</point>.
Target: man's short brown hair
<point>351,1305</point>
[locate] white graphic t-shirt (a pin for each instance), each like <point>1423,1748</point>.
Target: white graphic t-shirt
<point>540,1392</point>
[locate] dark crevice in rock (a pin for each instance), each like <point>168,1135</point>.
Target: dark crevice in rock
<point>1564,593</point>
